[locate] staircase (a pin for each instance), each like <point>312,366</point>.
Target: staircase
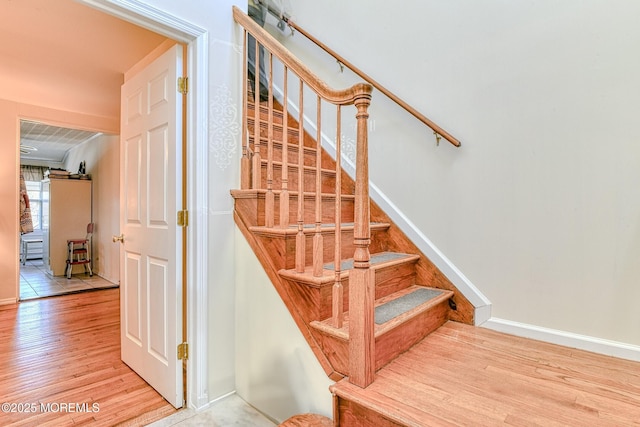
<point>358,289</point>
<point>412,297</point>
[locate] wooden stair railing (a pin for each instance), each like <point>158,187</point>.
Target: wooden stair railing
<point>361,283</point>
<point>438,131</point>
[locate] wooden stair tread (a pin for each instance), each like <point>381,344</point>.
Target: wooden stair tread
<point>256,193</point>
<point>380,329</point>
<point>292,229</point>
<point>379,260</point>
<point>328,275</point>
<point>392,410</point>
<point>307,420</point>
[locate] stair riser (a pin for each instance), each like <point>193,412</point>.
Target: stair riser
<point>277,119</point>
<point>264,114</point>
<point>328,179</point>
<point>378,243</point>
<point>254,210</point>
<point>351,414</point>
<point>388,346</point>
<point>315,302</point>
<point>278,132</point>
<point>319,299</point>
<point>309,155</point>
<point>285,246</point>
<point>277,129</point>
<point>400,339</point>
<point>328,210</point>
<point>394,279</point>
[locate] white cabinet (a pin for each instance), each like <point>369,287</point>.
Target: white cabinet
<point>68,203</point>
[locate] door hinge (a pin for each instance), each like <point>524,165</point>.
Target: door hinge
<point>183,85</point>
<point>183,218</point>
<point>183,351</point>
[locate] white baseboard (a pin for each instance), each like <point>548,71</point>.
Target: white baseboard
<point>115,281</point>
<point>203,406</point>
<point>482,314</point>
<point>8,301</point>
<point>567,339</point>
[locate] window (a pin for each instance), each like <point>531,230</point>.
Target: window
<point>38,214</point>
<point>33,176</point>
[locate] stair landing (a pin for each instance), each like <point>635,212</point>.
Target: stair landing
<point>466,375</point>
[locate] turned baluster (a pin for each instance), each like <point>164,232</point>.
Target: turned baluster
<point>337,292</point>
<point>257,159</point>
<point>245,165</point>
<point>317,238</point>
<point>284,194</point>
<point>300,240</point>
<point>270,198</point>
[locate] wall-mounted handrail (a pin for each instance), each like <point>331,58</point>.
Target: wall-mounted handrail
<point>418,115</point>
<point>346,96</point>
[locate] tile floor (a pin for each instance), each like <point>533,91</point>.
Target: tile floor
<point>35,282</point>
<point>229,411</point>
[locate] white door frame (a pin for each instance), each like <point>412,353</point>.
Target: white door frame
<point>196,39</point>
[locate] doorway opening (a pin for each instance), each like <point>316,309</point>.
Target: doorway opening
<point>197,151</point>
<point>47,153</point>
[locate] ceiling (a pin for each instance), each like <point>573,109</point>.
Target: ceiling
<point>40,142</point>
<point>66,56</point>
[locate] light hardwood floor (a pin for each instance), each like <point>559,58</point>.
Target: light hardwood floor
<point>467,376</point>
<point>66,350</point>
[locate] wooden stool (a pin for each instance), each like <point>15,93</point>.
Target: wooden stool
<point>307,420</point>
<point>79,253</point>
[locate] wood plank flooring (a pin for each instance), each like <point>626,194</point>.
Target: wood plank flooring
<point>462,375</point>
<point>66,350</point>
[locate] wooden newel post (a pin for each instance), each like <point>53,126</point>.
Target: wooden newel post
<point>361,280</point>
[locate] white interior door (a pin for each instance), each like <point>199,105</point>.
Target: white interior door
<point>151,245</point>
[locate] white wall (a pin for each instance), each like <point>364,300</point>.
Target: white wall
<point>277,371</point>
<point>102,157</point>
<point>540,208</point>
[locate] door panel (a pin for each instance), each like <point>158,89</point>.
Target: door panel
<point>131,320</point>
<point>132,162</point>
<point>151,184</point>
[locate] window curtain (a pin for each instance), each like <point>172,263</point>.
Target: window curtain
<point>26,224</point>
<point>32,173</point>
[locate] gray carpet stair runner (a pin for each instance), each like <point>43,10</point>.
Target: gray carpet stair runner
<point>375,259</point>
<point>396,307</point>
